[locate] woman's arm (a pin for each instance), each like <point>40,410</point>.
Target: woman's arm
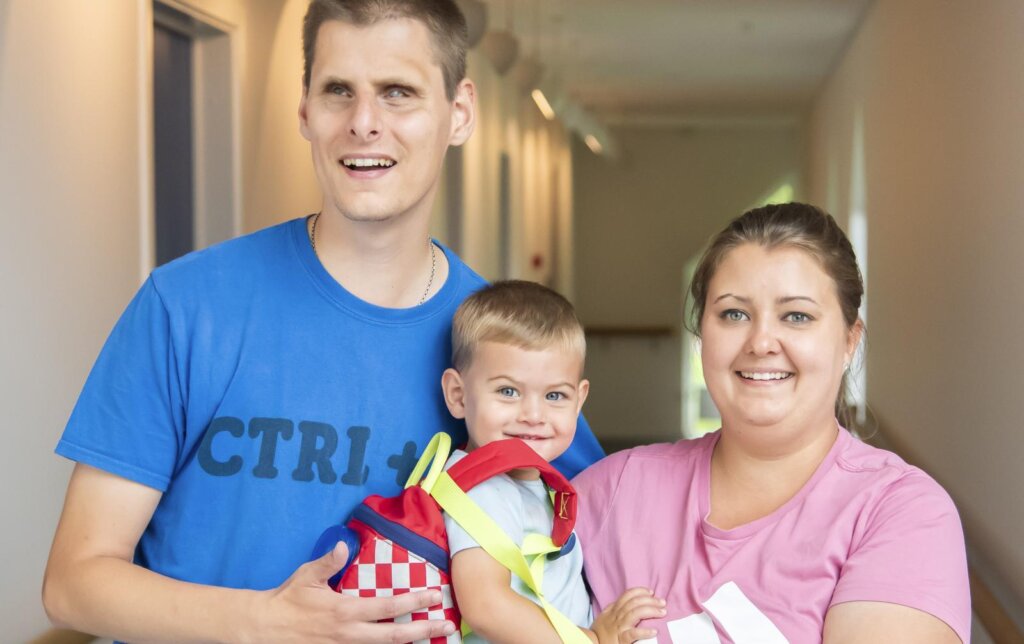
<point>92,585</point>
<point>868,622</point>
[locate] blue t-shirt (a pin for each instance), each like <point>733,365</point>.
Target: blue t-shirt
<point>265,401</point>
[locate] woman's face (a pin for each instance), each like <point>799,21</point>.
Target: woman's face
<point>774,342</point>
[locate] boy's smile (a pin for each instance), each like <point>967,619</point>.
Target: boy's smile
<point>510,392</point>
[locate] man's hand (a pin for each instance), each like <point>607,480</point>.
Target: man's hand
<point>305,609</point>
<point>93,585</point>
<point>617,624</point>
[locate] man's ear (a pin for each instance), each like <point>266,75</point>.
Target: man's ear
<point>582,390</point>
<point>303,114</point>
<point>454,393</point>
<point>463,112</point>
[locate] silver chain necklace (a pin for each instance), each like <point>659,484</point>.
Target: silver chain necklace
<point>433,258</point>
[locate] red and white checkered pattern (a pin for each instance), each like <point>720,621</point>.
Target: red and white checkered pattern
<point>384,569</point>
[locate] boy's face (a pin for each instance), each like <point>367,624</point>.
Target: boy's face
<point>509,392</point>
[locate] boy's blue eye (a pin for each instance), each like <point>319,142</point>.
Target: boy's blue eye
<point>555,396</point>
<point>507,391</point>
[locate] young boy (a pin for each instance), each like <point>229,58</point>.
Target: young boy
<point>518,351</point>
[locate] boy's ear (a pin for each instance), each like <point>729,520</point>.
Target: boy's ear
<point>454,393</point>
<point>582,390</point>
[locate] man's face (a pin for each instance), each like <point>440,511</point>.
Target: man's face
<point>378,120</point>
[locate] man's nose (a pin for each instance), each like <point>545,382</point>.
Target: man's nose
<point>365,123</point>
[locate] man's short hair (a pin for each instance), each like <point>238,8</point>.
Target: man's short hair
<point>523,314</point>
<point>442,18</point>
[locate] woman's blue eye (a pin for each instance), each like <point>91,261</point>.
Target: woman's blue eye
<point>797,317</point>
<point>734,315</point>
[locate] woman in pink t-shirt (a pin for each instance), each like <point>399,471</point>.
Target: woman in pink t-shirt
<point>781,526</point>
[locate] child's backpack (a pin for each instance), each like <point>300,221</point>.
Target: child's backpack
<point>403,545</point>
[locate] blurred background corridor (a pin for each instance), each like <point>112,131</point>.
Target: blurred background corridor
<point>613,139</point>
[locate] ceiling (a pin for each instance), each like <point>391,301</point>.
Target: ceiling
<point>661,60</point>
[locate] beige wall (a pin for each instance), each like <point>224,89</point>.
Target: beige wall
<point>638,221</point>
<point>934,90</point>
<point>69,251</point>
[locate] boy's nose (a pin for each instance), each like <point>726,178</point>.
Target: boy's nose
<point>530,412</point>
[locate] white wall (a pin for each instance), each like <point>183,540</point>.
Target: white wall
<point>934,91</point>
<point>638,221</point>
<point>69,251</point>
<point>72,205</point>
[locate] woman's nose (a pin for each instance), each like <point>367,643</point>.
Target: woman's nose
<point>764,339</point>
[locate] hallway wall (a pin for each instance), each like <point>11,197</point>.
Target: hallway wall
<point>639,220</point>
<point>930,96</point>
<point>73,202</point>
<point>69,251</point>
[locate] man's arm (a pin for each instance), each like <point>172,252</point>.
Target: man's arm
<point>92,585</point>
<point>866,622</point>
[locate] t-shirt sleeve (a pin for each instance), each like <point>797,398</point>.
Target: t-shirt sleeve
<point>582,453</point>
<point>129,417</point>
<point>595,491</point>
<point>497,497</point>
<point>909,550</point>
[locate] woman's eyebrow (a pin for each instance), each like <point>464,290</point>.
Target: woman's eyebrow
<point>745,300</point>
<point>793,298</point>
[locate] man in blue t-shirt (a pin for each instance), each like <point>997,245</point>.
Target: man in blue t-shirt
<point>254,392</point>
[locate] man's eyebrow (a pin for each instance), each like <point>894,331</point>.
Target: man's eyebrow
<point>333,80</point>
<point>399,83</point>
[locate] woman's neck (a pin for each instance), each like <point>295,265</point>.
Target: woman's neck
<point>756,470</point>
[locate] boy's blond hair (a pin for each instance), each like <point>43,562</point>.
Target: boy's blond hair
<point>523,314</point>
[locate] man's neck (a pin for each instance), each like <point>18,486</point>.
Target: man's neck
<point>386,263</point>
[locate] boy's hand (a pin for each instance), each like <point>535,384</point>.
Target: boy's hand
<point>617,624</point>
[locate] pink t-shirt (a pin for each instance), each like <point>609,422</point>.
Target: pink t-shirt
<point>866,526</point>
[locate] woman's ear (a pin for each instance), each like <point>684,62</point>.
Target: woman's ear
<point>454,393</point>
<point>853,339</point>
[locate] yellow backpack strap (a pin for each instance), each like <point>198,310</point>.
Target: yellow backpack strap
<point>496,543</point>
<point>435,455</point>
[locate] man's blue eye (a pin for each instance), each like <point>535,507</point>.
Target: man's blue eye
<point>396,92</point>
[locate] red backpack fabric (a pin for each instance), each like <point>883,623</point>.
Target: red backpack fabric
<point>403,543</point>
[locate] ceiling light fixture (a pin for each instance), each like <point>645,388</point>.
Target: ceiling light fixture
<point>543,105</point>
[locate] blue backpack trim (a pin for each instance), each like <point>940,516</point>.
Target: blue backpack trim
<point>403,537</point>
